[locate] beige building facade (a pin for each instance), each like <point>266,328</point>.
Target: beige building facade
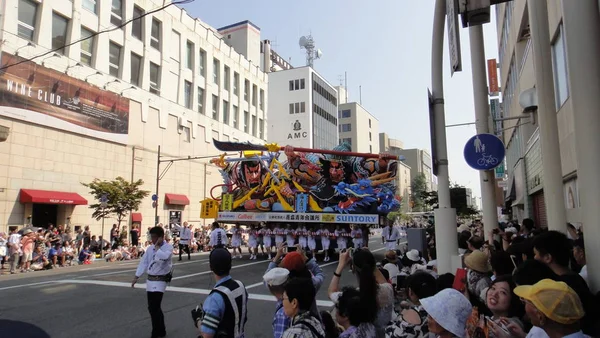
<point>358,128</point>
<point>170,81</point>
<point>525,191</point>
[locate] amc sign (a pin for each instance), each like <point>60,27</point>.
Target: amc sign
<point>297,135</point>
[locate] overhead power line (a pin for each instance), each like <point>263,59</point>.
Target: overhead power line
<point>180,2</point>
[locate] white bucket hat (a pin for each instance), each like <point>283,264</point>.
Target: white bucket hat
<point>413,255</point>
<point>449,308</point>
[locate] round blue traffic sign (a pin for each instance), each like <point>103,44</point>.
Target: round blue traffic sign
<point>484,152</point>
<point>154,197</point>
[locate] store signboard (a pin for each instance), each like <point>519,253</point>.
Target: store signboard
<point>33,93</point>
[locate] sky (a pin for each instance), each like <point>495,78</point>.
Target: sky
<point>384,46</point>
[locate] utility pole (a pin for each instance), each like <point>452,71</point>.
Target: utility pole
<point>582,40</point>
<point>156,190</point>
<point>482,113</point>
<point>445,215</point>
<point>544,83</point>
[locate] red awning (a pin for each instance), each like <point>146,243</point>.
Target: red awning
<point>176,199</point>
<point>136,217</point>
<point>51,197</point>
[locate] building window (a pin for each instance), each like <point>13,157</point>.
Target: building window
<point>303,107</point>
<point>175,46</point>
<point>291,85</point>
<point>154,78</point>
<point>369,123</point>
<point>246,121</point>
<point>236,83</point>
<point>155,34</point>
<point>90,5</point>
<point>226,75</point>
<point>301,83</point>
<point>346,127</point>
<point>87,46</point>
<point>216,69</point>
<point>187,94</point>
<point>27,18</point>
<point>185,131</point>
<point>59,33</point>
<point>116,12</point>
<point>292,110</point>
<point>236,117</point>
<point>370,148</point>
<point>559,65</point>
<point>254,95</point>
<point>201,101</point>
<point>138,23</point>
<point>346,113</point>
<point>246,90</point>
<point>136,69</point>
<point>189,55</point>
<point>202,63</point>
<point>114,59</point>
<point>370,138</point>
<point>225,112</point>
<point>261,100</point>
<point>254,125</point>
<point>215,107</point>
<point>261,129</point>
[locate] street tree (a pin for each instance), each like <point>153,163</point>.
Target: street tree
<point>121,195</point>
<point>419,192</point>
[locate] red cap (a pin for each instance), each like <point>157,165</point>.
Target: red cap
<point>293,261</point>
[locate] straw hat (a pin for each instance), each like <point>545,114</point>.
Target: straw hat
<point>478,261</point>
<point>391,256</point>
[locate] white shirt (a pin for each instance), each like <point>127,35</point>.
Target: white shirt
<point>392,235</point>
<point>14,243</point>
<point>185,234</point>
<point>218,237</point>
<point>157,263</point>
<point>278,235</point>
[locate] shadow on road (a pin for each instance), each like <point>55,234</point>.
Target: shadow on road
<point>15,329</point>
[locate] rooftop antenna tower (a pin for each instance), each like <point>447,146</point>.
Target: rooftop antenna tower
<point>312,52</point>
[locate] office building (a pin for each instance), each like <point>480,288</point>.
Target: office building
<point>303,109</point>
<point>358,127</point>
<point>524,196</point>
<point>419,162</point>
<point>100,108</point>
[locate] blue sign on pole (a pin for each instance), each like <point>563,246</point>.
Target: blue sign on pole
<point>154,197</point>
<point>104,198</point>
<point>484,152</point>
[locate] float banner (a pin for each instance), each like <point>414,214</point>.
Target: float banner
<point>296,217</point>
<point>43,96</point>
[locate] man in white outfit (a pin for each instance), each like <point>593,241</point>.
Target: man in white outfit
<point>185,237</point>
<point>390,236</point>
<point>157,263</point>
<point>218,236</point>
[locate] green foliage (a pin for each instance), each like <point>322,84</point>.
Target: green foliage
<point>419,192</point>
<point>123,196</point>
<point>394,215</point>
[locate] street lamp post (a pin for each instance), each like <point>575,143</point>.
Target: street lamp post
<point>582,40</point>
<point>482,111</point>
<point>445,215</point>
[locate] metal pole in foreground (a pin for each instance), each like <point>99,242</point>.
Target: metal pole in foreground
<point>582,41</point>
<point>156,191</point>
<point>445,216</point>
<point>482,112</point>
<point>544,82</point>
<point>102,240</point>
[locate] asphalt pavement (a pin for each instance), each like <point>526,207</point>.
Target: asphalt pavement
<point>97,300</point>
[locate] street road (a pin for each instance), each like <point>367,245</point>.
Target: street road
<point>97,300</point>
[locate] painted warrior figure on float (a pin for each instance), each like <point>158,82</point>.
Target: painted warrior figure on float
<point>335,180</point>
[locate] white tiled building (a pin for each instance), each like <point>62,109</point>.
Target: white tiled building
<point>165,80</point>
<point>303,109</point>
